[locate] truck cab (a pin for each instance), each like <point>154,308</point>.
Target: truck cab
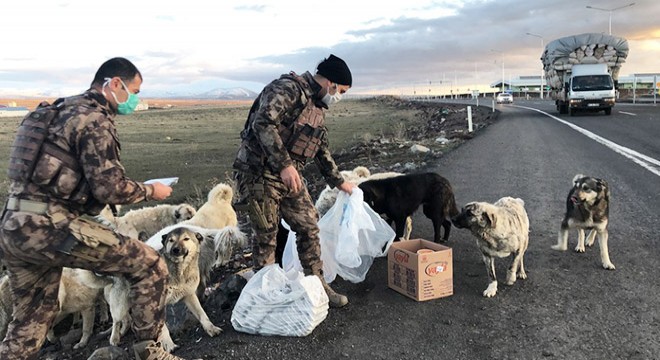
<point>589,88</point>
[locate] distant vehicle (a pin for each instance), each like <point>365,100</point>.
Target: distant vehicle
<point>504,98</point>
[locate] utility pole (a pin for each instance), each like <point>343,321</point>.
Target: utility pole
<point>610,11</point>
<point>501,52</point>
<point>542,71</point>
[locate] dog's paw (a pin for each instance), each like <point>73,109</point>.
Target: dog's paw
<point>213,330</point>
<point>168,345</point>
<point>510,278</point>
<point>558,247</point>
<point>522,275</point>
<point>579,249</point>
<point>80,345</point>
<point>491,290</point>
<point>608,266</point>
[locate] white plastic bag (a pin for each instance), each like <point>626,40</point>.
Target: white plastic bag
<point>274,302</point>
<point>351,235</point>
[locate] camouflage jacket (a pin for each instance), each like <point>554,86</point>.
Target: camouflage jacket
<point>262,148</point>
<point>85,128</point>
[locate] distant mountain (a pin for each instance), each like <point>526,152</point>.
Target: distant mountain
<point>228,94</point>
<point>221,94</point>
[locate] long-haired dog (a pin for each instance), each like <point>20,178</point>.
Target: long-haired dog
<point>501,229</point>
<point>217,212</point>
<point>145,222</point>
<point>587,208</point>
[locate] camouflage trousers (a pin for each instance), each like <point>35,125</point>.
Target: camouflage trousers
<point>31,249</point>
<point>269,201</point>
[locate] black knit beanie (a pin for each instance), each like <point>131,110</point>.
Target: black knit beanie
<point>335,70</point>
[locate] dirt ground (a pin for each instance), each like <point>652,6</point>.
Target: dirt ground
<point>444,127</point>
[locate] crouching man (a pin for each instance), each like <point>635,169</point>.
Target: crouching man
<point>64,163</point>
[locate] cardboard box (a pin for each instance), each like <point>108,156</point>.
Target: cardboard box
<point>421,275</point>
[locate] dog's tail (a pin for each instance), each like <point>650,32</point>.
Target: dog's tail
<point>221,193</point>
<point>228,240</point>
<point>362,172</point>
<point>450,207</point>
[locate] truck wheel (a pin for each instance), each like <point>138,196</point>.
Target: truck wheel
<point>571,111</point>
<point>608,111</point>
<point>563,108</point>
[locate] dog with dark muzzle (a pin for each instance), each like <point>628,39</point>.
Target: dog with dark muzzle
<point>501,229</point>
<point>587,208</point>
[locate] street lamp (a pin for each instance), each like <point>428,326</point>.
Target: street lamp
<point>610,11</point>
<point>542,71</point>
<point>501,52</point>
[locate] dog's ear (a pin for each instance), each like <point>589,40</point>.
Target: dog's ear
<point>199,237</point>
<point>143,236</point>
<point>603,187</point>
<point>489,218</point>
<point>577,178</point>
<point>164,240</point>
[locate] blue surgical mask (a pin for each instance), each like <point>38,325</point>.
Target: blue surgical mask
<point>128,106</point>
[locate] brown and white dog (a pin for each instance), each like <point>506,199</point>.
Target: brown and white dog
<point>501,229</point>
<point>587,207</point>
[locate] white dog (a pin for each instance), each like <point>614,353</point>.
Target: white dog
<point>74,296</point>
<point>217,211</point>
<point>145,222</point>
<point>501,229</point>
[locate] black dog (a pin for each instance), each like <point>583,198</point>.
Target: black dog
<point>399,197</point>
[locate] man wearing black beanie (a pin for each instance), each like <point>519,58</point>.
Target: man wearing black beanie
<point>284,129</point>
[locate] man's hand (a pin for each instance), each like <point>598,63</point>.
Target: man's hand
<point>346,187</point>
<point>291,178</point>
<point>161,192</point>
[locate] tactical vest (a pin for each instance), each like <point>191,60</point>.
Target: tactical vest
<point>38,160</point>
<point>304,136</point>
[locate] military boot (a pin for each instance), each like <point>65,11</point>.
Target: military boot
<point>336,300</point>
<point>151,350</point>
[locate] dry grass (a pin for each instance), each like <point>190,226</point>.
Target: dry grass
<point>198,143</point>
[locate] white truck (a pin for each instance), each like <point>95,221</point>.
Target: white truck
<point>582,71</point>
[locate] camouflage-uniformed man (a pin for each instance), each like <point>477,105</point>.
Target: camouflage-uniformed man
<point>285,127</point>
<point>65,163</point>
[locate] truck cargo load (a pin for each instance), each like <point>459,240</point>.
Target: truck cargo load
<point>582,71</point>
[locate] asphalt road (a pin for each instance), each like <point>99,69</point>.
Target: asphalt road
<point>568,308</point>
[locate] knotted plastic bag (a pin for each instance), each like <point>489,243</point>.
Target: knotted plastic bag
<point>275,302</point>
<point>351,235</point>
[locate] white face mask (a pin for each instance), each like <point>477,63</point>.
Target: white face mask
<point>332,99</point>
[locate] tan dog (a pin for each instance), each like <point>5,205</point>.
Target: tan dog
<point>74,296</point>
<point>501,229</point>
<point>181,248</point>
<point>145,222</point>
<point>190,253</point>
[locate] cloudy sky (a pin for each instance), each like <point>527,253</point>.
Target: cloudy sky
<point>53,47</point>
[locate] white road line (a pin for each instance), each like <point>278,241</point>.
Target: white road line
<point>642,160</point>
<point>627,113</point>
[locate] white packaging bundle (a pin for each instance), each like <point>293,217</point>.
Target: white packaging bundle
<point>277,303</point>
